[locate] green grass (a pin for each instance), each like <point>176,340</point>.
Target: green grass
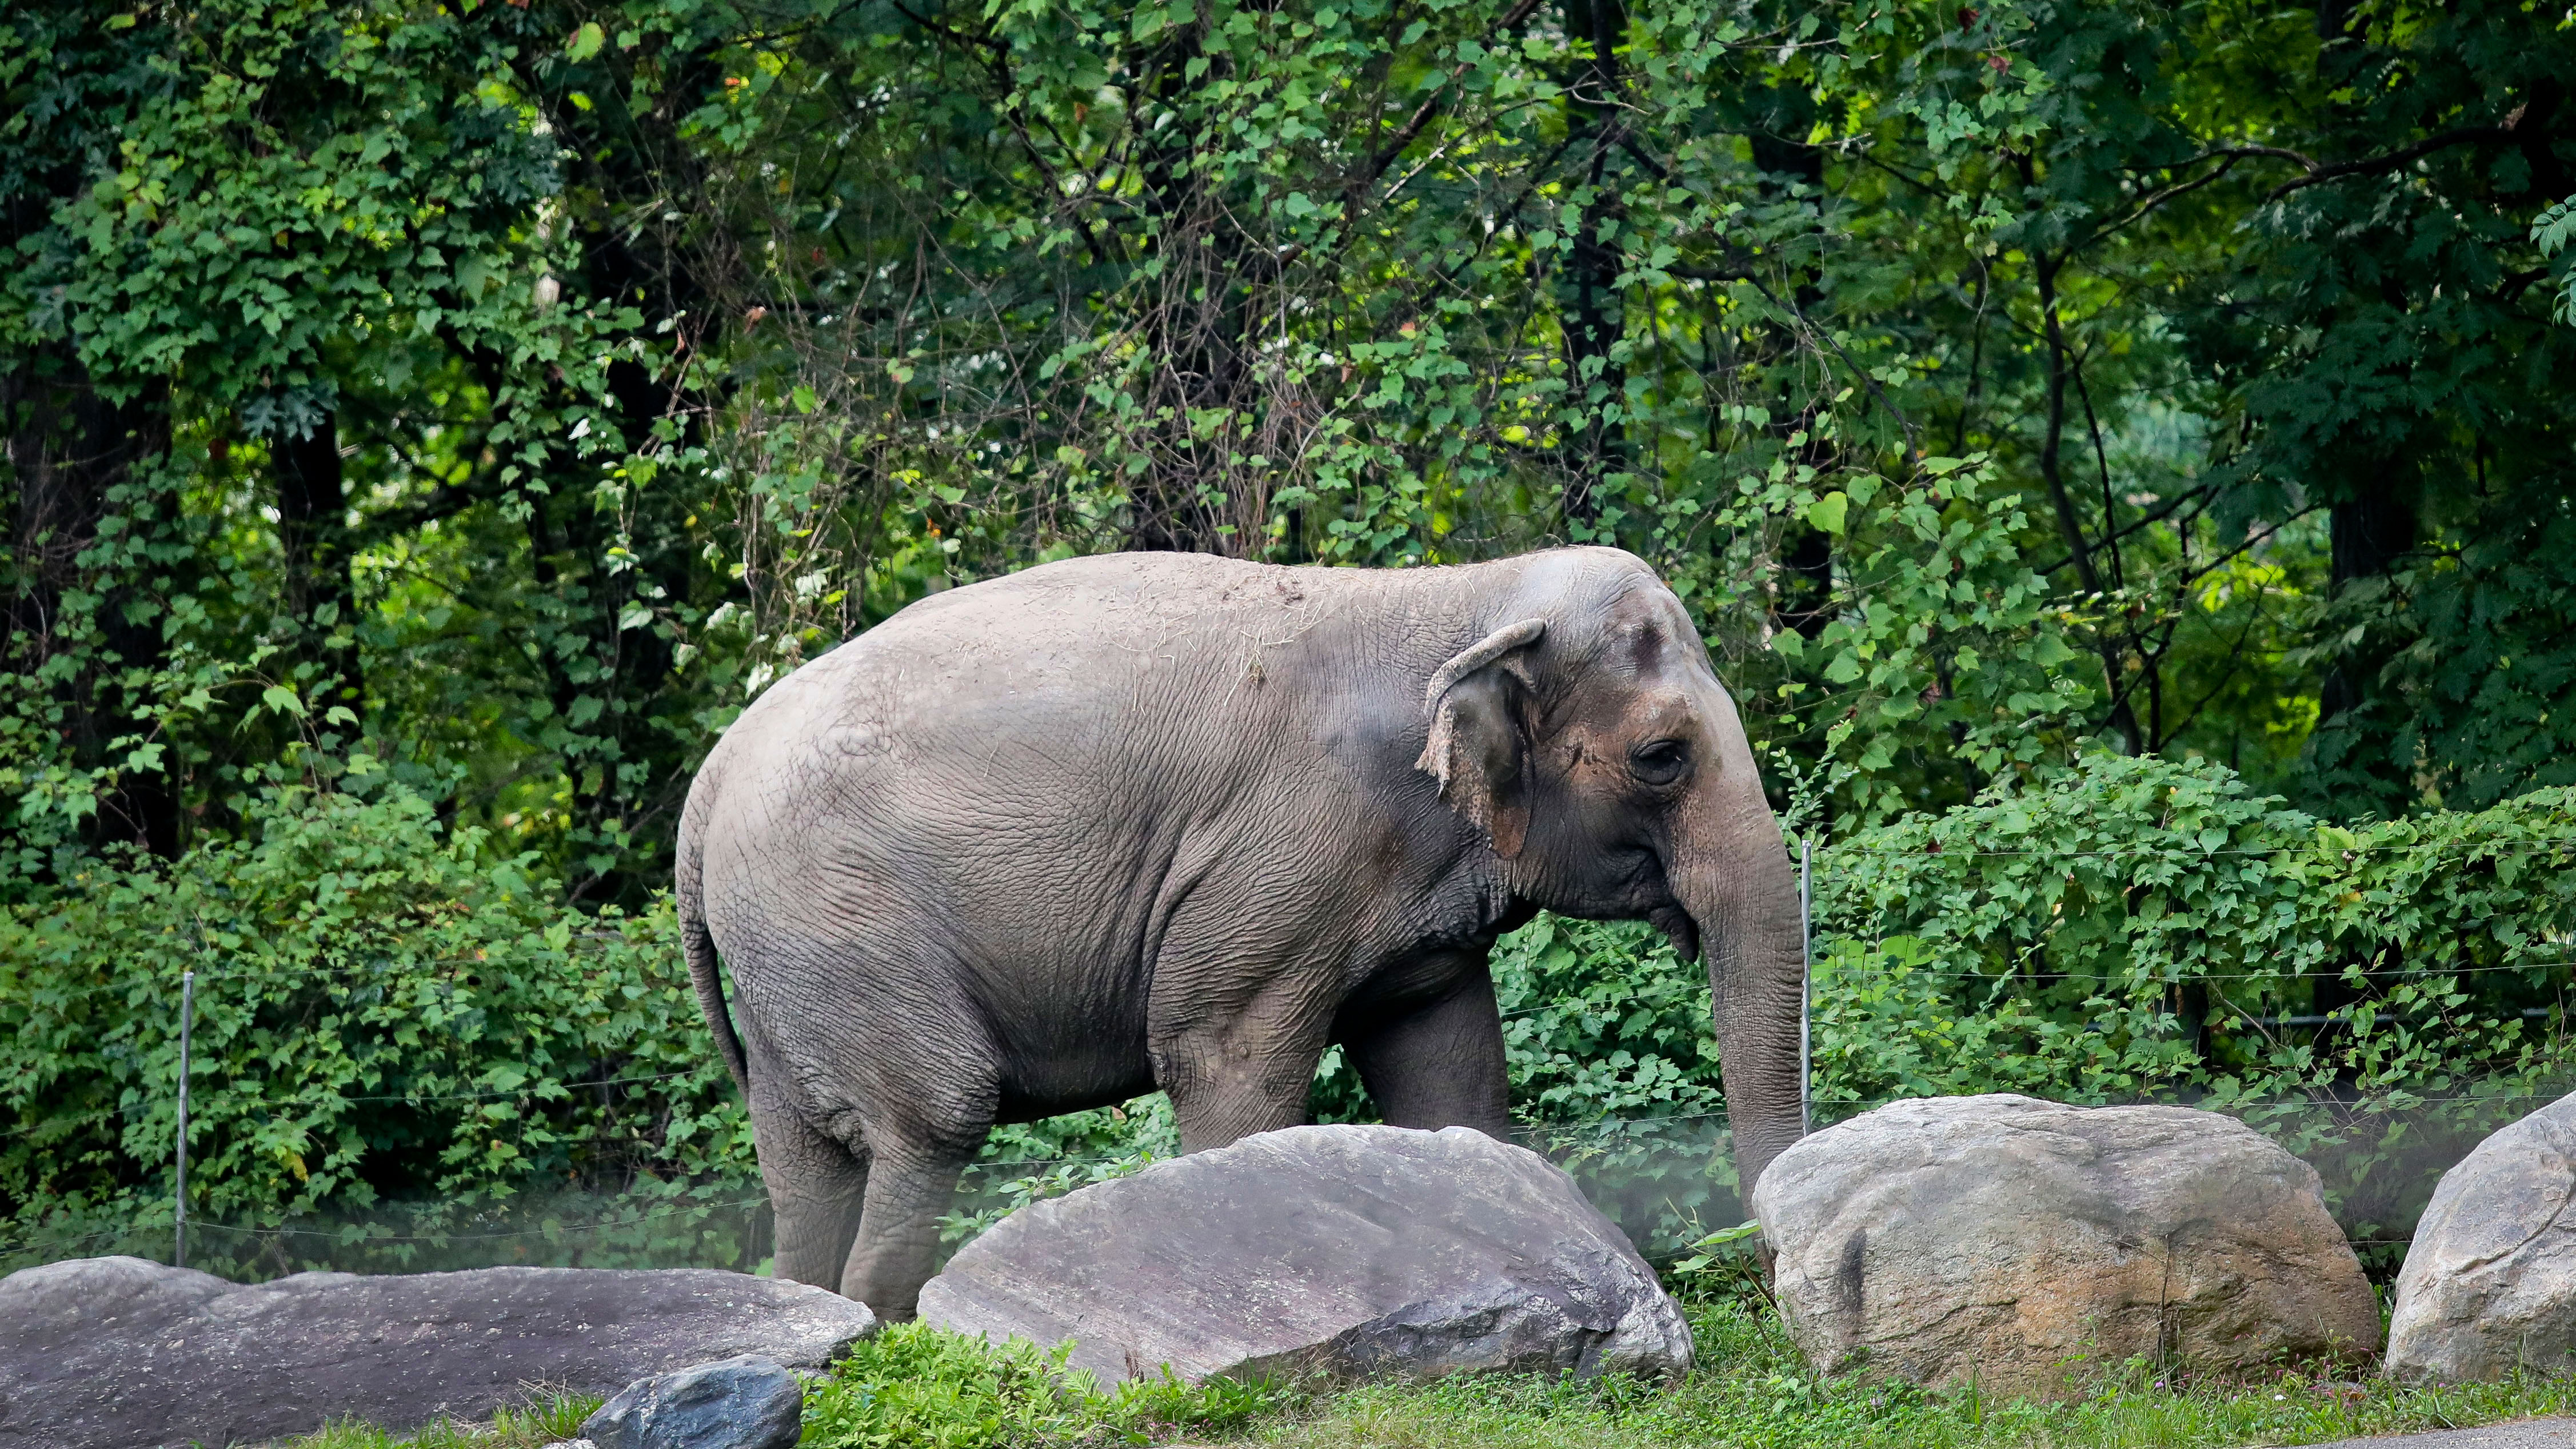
<point>916,1388</point>
<point>548,1420</point>
<point>1751,1390</point>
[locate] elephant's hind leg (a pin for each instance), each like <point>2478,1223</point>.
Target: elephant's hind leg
<point>816,1186</point>
<point>911,1187</point>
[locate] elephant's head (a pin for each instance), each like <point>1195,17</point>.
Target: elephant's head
<point>1588,736</point>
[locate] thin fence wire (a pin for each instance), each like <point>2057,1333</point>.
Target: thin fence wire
<point>357,1234</point>
<point>364,974</point>
<point>1563,1134</point>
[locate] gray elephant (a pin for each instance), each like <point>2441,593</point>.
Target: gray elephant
<point>1163,820</point>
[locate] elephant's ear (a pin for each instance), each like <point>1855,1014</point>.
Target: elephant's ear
<point>1476,751</point>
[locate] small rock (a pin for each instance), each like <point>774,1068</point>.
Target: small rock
<point>738,1403</point>
<point>2011,1242</point>
<point>120,1353</point>
<point>572,1444</point>
<point>1344,1251</point>
<point>2489,1284</point>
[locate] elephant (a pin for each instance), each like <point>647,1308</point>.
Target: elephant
<point>1136,821</point>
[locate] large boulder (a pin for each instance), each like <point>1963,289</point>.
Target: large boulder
<point>120,1353</point>
<point>2490,1280</point>
<point>2020,1244</point>
<point>1335,1251</point>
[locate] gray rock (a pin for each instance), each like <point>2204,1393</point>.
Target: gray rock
<point>119,1353</point>
<point>2521,1434</point>
<point>2490,1280</point>
<point>2023,1245</point>
<point>1334,1251</point>
<point>735,1403</point>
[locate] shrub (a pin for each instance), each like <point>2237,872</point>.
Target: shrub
<point>385,1015</point>
<point>381,1013</point>
<point>2376,997</point>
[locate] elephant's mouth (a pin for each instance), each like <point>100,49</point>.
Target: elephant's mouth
<point>1677,925</point>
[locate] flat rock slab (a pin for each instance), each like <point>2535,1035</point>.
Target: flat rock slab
<point>120,1353</point>
<point>2490,1280</point>
<point>2017,1243</point>
<point>1345,1251</point>
<point>2524,1434</point>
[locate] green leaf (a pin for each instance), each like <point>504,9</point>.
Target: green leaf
<point>586,41</point>
<point>2555,227</point>
<point>1723,1236</point>
<point>1829,512</point>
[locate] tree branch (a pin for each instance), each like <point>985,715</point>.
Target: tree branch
<point>1913,453</point>
<point>1411,130</point>
<point>2318,175</point>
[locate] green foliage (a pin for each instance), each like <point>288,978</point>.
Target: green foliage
<point>2136,926</point>
<point>381,1013</point>
<point>2375,997</point>
<point>506,392</point>
<point>428,424</point>
<point>2551,231</point>
<point>913,1385</point>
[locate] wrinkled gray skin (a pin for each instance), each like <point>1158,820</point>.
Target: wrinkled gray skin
<point>1167,820</point>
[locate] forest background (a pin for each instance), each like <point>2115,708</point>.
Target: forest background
<point>2120,455</point>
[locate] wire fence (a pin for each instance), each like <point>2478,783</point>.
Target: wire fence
<point>1665,1177</point>
<point>1577,1140</point>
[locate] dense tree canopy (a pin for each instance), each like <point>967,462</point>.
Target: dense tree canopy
<point>488,398</point>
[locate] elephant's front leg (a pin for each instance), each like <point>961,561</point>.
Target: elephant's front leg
<point>1437,1064</point>
<point>1237,1066</point>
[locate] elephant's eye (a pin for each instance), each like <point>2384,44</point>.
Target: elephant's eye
<point>1659,763</point>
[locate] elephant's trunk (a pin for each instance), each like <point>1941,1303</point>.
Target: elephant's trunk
<point>1734,879</point>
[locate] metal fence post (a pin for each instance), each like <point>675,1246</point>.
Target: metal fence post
<point>179,1218</point>
<point>1806,987</point>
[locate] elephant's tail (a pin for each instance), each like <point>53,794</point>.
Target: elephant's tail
<point>700,947</point>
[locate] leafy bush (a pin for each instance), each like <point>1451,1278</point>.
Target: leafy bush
<point>386,1017</point>
<point>2375,997</point>
<point>381,1013</point>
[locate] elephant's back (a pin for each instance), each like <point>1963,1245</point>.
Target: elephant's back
<point>1120,666</point>
<point>1026,752</point>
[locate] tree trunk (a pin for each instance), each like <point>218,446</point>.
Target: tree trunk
<point>2371,528</point>
<point>313,531</point>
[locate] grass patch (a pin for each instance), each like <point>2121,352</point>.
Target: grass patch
<point>550,1420</point>
<point>916,1388</point>
<point>1752,1390</point>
